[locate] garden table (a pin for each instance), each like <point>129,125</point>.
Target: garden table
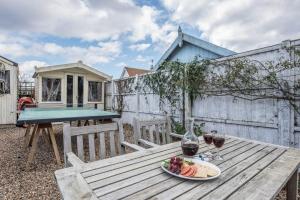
<point>250,170</point>
<point>41,119</point>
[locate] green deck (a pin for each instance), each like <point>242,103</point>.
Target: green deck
<point>48,115</point>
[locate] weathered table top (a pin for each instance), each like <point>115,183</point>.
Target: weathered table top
<point>48,115</point>
<point>250,170</point>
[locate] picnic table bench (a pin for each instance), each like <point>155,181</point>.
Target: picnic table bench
<point>250,170</point>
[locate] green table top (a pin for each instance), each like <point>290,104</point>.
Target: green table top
<point>48,115</point>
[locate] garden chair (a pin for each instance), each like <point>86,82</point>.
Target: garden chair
<point>110,130</point>
<point>153,133</point>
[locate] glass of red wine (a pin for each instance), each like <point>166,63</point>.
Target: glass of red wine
<point>208,138</point>
<point>218,140</point>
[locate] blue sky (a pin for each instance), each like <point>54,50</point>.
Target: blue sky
<point>108,35</point>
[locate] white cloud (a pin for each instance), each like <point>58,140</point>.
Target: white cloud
<point>121,64</point>
<point>141,58</point>
<point>87,20</point>
<point>53,48</point>
<point>94,54</point>
<point>239,25</point>
<point>140,46</point>
<point>27,69</point>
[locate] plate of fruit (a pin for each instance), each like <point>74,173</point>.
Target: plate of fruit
<point>192,169</point>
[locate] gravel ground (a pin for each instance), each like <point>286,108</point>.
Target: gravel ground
<point>38,182</point>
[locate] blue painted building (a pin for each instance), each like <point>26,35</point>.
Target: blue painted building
<point>186,47</point>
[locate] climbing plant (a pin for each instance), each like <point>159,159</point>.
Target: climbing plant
<point>237,77</point>
<point>123,87</point>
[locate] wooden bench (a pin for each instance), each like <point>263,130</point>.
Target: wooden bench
<point>159,132</point>
<point>112,130</point>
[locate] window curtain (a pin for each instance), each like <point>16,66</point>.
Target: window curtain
<point>95,91</point>
<point>5,82</point>
<point>51,89</point>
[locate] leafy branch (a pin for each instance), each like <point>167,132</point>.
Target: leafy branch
<point>123,87</point>
<point>239,77</point>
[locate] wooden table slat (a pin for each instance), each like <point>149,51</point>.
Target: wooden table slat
<point>103,169</point>
<point>235,182</point>
<point>126,175</point>
<point>135,155</point>
<point>270,181</point>
<point>254,152</point>
<point>136,165</point>
<point>138,186</point>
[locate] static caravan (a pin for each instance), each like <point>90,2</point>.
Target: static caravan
<point>70,85</point>
<point>8,91</point>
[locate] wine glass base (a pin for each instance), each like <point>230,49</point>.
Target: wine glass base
<point>208,154</point>
<point>218,157</point>
<point>204,157</point>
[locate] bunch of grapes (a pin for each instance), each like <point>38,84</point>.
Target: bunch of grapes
<point>175,164</point>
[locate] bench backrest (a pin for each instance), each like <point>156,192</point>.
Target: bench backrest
<point>156,131</point>
<point>94,133</point>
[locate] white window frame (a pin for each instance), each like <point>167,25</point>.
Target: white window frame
<point>102,93</point>
<point>41,89</point>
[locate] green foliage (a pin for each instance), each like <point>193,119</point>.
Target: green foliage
<point>123,86</point>
<point>239,77</point>
<point>178,128</point>
<point>198,129</point>
<point>166,82</point>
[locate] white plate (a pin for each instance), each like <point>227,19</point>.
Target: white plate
<point>194,178</point>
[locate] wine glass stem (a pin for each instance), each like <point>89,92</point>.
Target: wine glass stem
<point>219,156</point>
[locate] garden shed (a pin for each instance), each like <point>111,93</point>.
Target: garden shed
<point>186,47</point>
<point>132,71</point>
<point>8,90</point>
<point>70,85</point>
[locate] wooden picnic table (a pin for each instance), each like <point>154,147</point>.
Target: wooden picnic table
<point>250,170</point>
<point>39,120</point>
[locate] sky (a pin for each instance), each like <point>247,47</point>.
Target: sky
<point>111,34</point>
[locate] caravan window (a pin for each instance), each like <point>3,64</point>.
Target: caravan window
<point>95,91</point>
<point>51,89</point>
<point>5,82</point>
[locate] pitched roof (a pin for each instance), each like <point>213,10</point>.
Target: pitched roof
<point>183,37</point>
<point>135,71</point>
<point>9,61</point>
<point>79,64</point>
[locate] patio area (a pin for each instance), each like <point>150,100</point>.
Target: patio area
<point>39,181</point>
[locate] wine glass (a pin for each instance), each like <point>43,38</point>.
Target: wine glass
<point>208,140</point>
<point>218,140</point>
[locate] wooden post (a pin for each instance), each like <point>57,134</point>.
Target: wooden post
<point>285,132</point>
<point>121,137</point>
<point>292,187</point>
<point>112,95</point>
<point>137,111</point>
<point>67,141</point>
<point>27,134</point>
<point>137,130</point>
<point>33,148</point>
<point>54,145</point>
<point>29,140</point>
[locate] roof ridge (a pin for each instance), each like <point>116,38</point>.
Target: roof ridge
<point>207,42</point>
<point>127,67</point>
<point>14,63</point>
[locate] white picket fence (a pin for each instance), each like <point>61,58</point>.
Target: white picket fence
<point>266,120</point>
